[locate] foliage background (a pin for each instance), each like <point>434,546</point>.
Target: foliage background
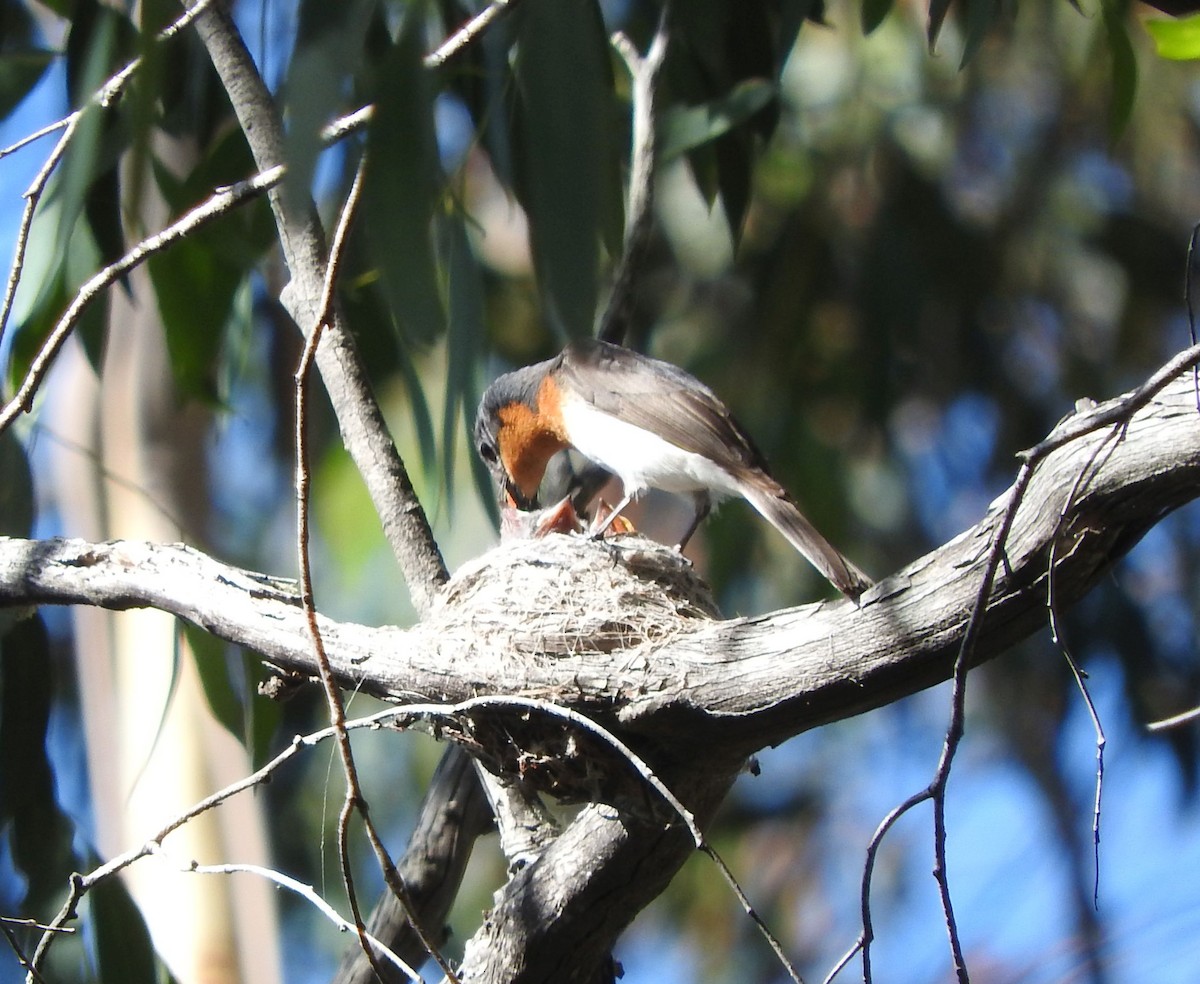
<point>932,263</point>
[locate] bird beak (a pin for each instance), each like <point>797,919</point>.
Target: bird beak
<point>517,498</point>
<point>509,494</point>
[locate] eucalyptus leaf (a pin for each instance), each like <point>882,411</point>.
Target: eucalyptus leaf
<point>684,129</point>
<point>40,834</point>
<point>20,71</point>
<point>937,16</point>
<point>401,188</point>
<point>873,13</point>
<point>1124,68</point>
<point>120,940</point>
<point>467,339</point>
<point>1178,40</point>
<point>565,88</point>
<point>16,488</point>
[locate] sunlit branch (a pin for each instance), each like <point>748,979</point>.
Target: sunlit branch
<point>221,202</point>
<point>645,72</point>
<point>82,883</point>
<point>306,892</point>
<point>355,800</point>
<point>101,99</point>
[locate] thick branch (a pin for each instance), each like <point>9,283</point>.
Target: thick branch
<point>362,426</point>
<point>452,815</point>
<point>553,618</point>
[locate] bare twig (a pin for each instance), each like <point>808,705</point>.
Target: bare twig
<point>221,202</point>
<point>466,34</point>
<point>763,929</point>
<point>364,431</point>
<point>102,98</point>
<point>1118,413</point>
<point>1086,473</point>
<point>644,71</point>
<point>15,945</point>
<point>642,768</point>
<point>306,892</point>
<point>453,815</point>
<point>333,697</point>
<point>80,884</point>
<point>355,800</point>
<point>936,791</point>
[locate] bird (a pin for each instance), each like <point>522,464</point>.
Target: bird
<point>652,424</point>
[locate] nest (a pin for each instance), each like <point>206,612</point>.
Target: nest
<point>566,594</point>
<point>621,600</point>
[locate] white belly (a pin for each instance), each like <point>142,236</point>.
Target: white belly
<point>641,460</point>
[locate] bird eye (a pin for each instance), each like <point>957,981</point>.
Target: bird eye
<point>488,453</point>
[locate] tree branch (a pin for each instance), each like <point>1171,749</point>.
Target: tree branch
<point>624,632</point>
<point>513,622</point>
<point>362,426</point>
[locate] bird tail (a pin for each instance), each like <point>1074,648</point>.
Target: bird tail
<point>777,508</point>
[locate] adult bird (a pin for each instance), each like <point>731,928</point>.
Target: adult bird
<point>650,423</point>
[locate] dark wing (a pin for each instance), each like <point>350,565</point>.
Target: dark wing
<point>658,397</point>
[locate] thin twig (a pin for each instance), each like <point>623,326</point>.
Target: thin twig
<point>19,951</point>
<point>750,911</point>
<point>504,702</point>
<point>1086,474</point>
<point>356,120</point>
<point>102,98</point>
<point>1115,412</point>
<point>468,33</point>
<point>863,944</point>
<point>306,892</point>
<point>80,884</point>
<point>355,800</point>
<point>1072,429</point>
<point>219,203</point>
<point>29,138</point>
<point>644,71</point>
<point>640,766</point>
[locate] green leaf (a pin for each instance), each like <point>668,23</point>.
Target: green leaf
<point>1124,68</point>
<point>980,16</point>
<point>328,50</point>
<point>419,407</point>
<point>401,188</point>
<point>102,207</point>
<point>87,180</point>
<point>565,92</point>
<point>120,940</point>
<point>467,339</point>
<point>937,16</point>
<point>223,700</point>
<point>16,488</point>
<point>59,284</point>
<point>231,690</point>
<point>20,71</point>
<point>195,287</point>
<point>40,833</point>
<point>873,13</point>
<point>684,129</point>
<point>735,175</point>
<point>1178,40</point>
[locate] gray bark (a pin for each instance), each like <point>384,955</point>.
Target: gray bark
<point>624,632</point>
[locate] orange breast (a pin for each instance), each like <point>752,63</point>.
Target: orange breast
<point>530,438</point>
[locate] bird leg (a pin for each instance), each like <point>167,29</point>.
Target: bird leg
<point>599,531</point>
<point>703,508</point>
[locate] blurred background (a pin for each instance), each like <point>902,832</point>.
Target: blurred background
<point>899,262</point>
